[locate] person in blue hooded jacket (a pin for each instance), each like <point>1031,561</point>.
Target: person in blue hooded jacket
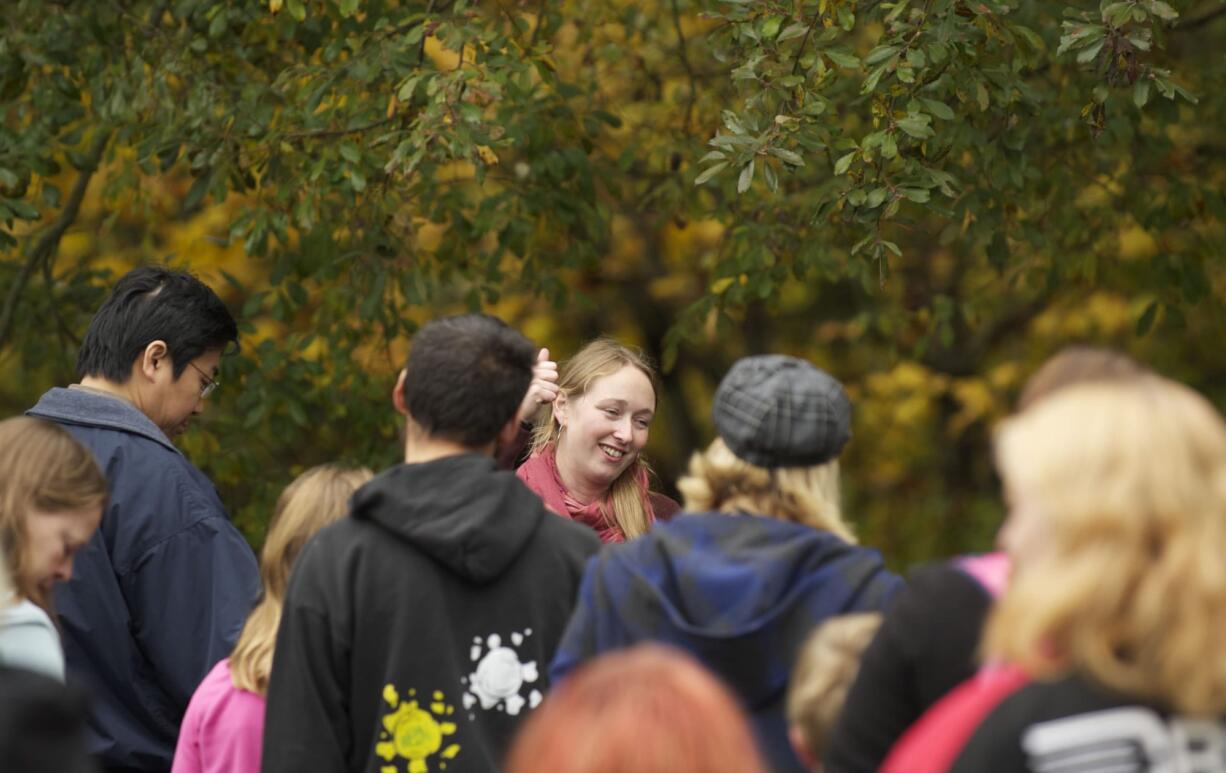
<point>160,592</point>
<point>761,557</point>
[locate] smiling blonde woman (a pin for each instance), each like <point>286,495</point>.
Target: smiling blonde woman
<point>587,455</point>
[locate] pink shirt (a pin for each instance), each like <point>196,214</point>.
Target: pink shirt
<point>223,729</point>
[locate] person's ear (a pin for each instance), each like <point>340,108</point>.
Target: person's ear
<point>796,737</point>
<point>507,435</point>
<point>155,356</point>
<point>560,407</point>
<point>398,394</point>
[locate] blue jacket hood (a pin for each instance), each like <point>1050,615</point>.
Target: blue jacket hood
<point>740,592</point>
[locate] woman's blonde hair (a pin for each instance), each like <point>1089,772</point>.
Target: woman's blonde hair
<point>604,357</point>
<point>1128,585</point>
<point>719,480</point>
<point>825,668</point>
<point>316,498</point>
<point>42,467</point>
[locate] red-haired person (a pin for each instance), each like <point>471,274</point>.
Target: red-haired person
<point>647,709</point>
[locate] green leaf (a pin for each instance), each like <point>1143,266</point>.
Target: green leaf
<point>710,172</point>
<point>875,197</point>
<point>350,152</point>
<point>1140,92</point>
<point>405,94</point>
<point>772,179</point>
<point>862,243</point>
<point>22,210</point>
<point>714,155</point>
<point>998,251</point>
<point>889,146</point>
<point>1162,10</point>
<point>938,109</point>
<point>1146,322</point>
<point>1032,37</point>
<point>842,59</point>
<point>1088,54</point>
<point>880,54</point>
<point>843,164</point>
<point>217,27</point>
<point>296,9</point>
<point>787,156</point>
<point>196,193</point>
<point>348,7</point>
<point>746,178</point>
<point>871,81</point>
<point>981,96</point>
<point>792,31</point>
<point>770,26</point>
<point>916,125</point>
<point>732,122</point>
<point>1117,14</point>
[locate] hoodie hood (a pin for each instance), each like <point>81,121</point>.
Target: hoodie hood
<point>740,592</point>
<point>461,510</point>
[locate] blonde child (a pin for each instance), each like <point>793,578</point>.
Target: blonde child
<point>823,673</point>
<point>223,728</point>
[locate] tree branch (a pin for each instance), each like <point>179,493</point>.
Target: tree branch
<point>327,133</point>
<point>689,69</point>
<point>540,22</point>
<point>46,245</point>
<point>1192,22</point>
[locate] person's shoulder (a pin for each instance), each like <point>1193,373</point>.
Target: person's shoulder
<point>663,507</point>
<point>344,535</point>
<point>941,736</point>
<point>559,531</point>
<point>26,612</point>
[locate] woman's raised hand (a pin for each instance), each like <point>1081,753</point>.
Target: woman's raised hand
<point>543,388</point>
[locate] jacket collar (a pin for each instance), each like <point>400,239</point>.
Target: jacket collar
<point>88,408</point>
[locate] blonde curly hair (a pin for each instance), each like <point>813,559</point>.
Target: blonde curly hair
<point>720,481</point>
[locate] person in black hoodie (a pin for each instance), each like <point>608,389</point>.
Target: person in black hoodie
<point>417,632</point>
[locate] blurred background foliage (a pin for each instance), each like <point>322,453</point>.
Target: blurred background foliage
<point>925,197</point>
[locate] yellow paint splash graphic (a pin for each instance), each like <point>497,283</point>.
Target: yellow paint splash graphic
<point>415,734</point>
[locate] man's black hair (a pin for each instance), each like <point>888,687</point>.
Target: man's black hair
<point>148,304</point>
<point>466,377</point>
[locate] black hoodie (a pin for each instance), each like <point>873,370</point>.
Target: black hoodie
<point>417,633</point>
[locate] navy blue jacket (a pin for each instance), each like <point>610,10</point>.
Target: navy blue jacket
<point>738,592</point>
<point>158,595</point>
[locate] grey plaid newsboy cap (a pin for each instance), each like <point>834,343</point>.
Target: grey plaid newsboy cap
<point>778,411</point>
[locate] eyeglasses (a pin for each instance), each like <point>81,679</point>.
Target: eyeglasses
<point>209,383</point>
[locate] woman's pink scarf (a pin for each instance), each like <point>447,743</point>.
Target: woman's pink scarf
<point>540,473</point>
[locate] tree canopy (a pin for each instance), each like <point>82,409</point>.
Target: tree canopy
<point>926,197</point>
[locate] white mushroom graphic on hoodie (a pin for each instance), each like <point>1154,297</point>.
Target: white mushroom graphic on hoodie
<point>500,675</point>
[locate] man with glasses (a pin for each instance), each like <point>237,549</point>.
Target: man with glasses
<point>159,594</point>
